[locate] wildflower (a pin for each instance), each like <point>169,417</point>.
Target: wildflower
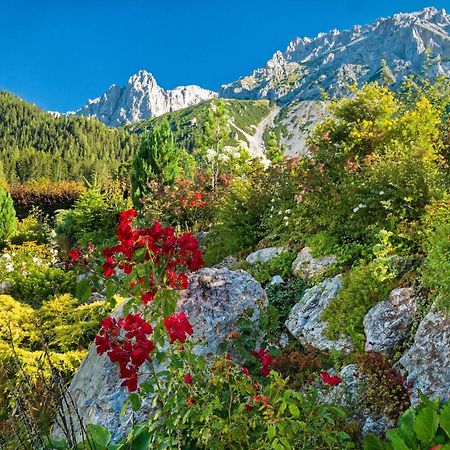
<point>246,371</point>
<point>178,327</point>
<point>75,254</point>
<point>188,378</point>
<point>265,359</point>
<point>331,380</point>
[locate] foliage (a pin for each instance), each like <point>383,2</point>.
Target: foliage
<point>37,284</point>
<point>385,394</point>
<point>36,144</point>
<point>422,428</point>
<point>187,204</point>
<point>48,196</point>
<point>156,160</point>
<point>361,290</point>
<point>7,216</point>
<point>33,228</point>
<point>93,218</point>
<point>280,265</point>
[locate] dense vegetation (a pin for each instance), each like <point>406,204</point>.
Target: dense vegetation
<point>375,193</point>
<point>36,144</point>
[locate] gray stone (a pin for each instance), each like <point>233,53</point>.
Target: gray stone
<point>214,301</point>
<point>304,321</point>
<point>5,287</point>
<point>264,255</point>
<point>377,425</point>
<point>389,322</point>
<point>307,267</point>
<point>428,360</point>
<point>228,262</point>
<point>277,280</point>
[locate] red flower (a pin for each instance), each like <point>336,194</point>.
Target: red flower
<point>330,380</point>
<point>190,401</point>
<point>228,356</point>
<point>178,327</point>
<point>249,407</point>
<point>263,399</point>
<point>435,447</point>
<point>75,254</point>
<point>266,360</point>
<point>147,297</point>
<point>246,371</point>
<point>188,379</point>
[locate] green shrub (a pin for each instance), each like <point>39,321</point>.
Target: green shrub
<point>423,428</point>
<point>33,228</point>
<point>361,290</point>
<point>93,219</point>
<point>280,265</point>
<point>37,284</point>
<point>8,219</point>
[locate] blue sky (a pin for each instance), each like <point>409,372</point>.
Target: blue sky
<point>58,54</point>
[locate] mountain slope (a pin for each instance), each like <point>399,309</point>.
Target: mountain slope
<point>334,60</point>
<point>140,99</point>
<point>35,144</point>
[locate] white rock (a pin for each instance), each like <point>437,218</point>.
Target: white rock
<point>215,300</point>
<point>140,99</point>
<point>388,323</point>
<point>264,255</point>
<point>307,267</point>
<point>304,321</point>
<point>277,280</point>
<point>428,360</point>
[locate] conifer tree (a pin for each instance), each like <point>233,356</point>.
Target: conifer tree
<point>156,159</point>
<point>8,219</point>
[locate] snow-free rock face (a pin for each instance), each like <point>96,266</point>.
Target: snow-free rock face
<point>304,321</point>
<point>388,323</point>
<point>427,362</point>
<point>214,301</point>
<point>264,255</point>
<point>140,99</point>
<point>307,267</point>
<point>332,61</point>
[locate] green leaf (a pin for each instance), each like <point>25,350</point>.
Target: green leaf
<point>406,428</point>
<point>271,431</point>
<point>371,442</point>
<point>426,424</point>
<point>293,409</point>
<point>100,435</point>
<point>444,419</point>
<point>142,440</point>
<point>396,440</point>
<point>83,290</point>
<point>136,401</point>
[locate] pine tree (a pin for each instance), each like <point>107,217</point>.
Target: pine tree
<point>156,159</point>
<point>8,219</point>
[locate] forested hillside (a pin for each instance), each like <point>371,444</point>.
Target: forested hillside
<point>35,144</point>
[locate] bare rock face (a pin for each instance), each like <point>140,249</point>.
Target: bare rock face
<point>214,301</point>
<point>428,360</point>
<point>140,99</point>
<point>304,321</point>
<point>388,323</point>
<point>264,255</point>
<point>307,267</point>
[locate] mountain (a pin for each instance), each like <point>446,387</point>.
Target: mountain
<point>140,99</point>
<point>390,49</point>
<point>36,144</point>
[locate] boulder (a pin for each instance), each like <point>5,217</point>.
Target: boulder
<point>305,323</point>
<point>389,322</point>
<point>307,267</point>
<point>428,360</point>
<point>264,255</point>
<point>214,301</point>
<point>228,262</point>
<point>5,287</point>
<point>277,280</point>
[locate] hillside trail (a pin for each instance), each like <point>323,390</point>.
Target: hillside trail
<point>255,141</point>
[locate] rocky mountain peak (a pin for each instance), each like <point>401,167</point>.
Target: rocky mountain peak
<point>334,60</point>
<point>140,99</point>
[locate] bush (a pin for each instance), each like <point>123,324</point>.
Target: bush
<point>93,219</point>
<point>422,428</point>
<point>7,216</point>
<point>361,290</point>
<point>37,284</point>
<point>47,195</point>
<point>33,228</point>
<point>280,265</point>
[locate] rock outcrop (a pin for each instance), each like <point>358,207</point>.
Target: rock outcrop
<point>387,50</point>
<point>427,362</point>
<point>214,301</point>
<point>307,267</point>
<point>264,255</point>
<point>388,323</point>
<point>141,99</point>
<point>305,323</point>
